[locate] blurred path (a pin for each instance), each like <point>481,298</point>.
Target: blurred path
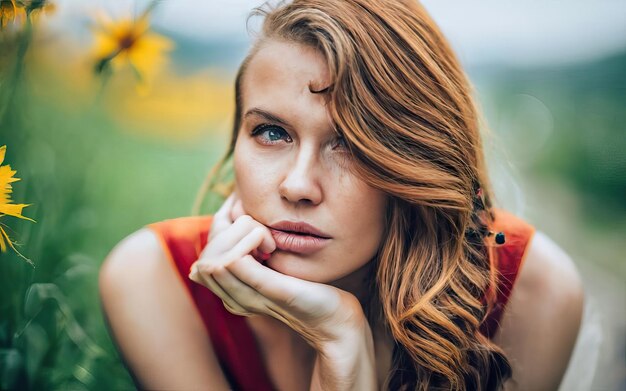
<point>599,359</point>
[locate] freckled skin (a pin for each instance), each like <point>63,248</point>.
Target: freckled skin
<point>303,175</point>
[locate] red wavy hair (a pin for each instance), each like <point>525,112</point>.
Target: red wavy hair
<point>404,105</point>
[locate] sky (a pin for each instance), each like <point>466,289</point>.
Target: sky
<point>521,33</point>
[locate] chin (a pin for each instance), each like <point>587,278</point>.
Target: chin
<point>303,267</point>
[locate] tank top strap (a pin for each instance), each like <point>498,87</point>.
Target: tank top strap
<point>507,260</point>
<point>235,346</point>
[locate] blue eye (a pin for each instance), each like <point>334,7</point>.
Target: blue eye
<point>341,143</point>
<point>271,134</point>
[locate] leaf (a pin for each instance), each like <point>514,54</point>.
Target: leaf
<point>11,365</point>
<point>37,345</point>
<point>40,292</point>
<point>83,375</point>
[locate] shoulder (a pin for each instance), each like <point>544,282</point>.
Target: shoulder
<point>135,252</point>
<point>131,271</point>
<point>548,279</point>
<point>152,255</point>
<point>548,275</point>
<point>541,321</point>
<point>149,312</point>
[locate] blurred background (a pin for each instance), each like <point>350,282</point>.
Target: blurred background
<point>112,113</point>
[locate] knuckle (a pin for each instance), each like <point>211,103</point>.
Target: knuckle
<point>206,270</point>
<point>219,271</point>
<point>244,219</point>
<point>202,267</point>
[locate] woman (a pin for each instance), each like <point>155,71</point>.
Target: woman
<point>360,249</point>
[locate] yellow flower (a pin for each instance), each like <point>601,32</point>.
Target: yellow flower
<point>7,208</point>
<point>37,7</point>
<point>128,41</point>
<point>11,13</point>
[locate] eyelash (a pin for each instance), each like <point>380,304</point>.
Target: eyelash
<point>256,132</point>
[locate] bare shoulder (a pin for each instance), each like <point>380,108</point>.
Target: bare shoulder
<point>549,276</point>
<point>542,319</point>
<point>134,265</point>
<point>149,312</point>
<point>142,245</point>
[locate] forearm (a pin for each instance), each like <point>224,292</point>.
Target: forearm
<point>346,364</point>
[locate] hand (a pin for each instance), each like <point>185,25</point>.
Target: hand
<point>318,312</point>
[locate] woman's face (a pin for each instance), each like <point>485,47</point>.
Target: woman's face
<point>290,165</point>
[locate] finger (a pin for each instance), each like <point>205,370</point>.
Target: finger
<point>260,256</point>
<point>234,310</point>
<point>259,237</point>
<point>277,287</point>
<point>244,237</point>
<point>267,246</point>
<point>209,281</point>
<point>239,291</point>
<point>237,230</point>
<point>237,210</point>
<point>221,218</point>
<point>241,228</point>
<point>266,291</point>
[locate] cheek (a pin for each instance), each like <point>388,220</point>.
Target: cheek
<point>370,221</point>
<point>246,180</point>
<point>253,177</point>
<point>363,215</point>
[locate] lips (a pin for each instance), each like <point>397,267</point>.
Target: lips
<point>298,237</point>
<point>298,243</point>
<point>299,227</point>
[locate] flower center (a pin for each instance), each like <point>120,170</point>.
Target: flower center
<point>127,41</point>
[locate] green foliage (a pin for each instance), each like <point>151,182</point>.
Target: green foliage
<point>90,182</point>
<point>586,145</point>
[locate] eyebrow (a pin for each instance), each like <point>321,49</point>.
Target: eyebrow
<point>267,115</point>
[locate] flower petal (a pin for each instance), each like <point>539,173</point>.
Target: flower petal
<point>15,210</point>
<point>148,54</point>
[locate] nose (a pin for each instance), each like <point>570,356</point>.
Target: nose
<point>301,183</point>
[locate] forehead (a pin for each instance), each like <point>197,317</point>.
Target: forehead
<point>283,74</point>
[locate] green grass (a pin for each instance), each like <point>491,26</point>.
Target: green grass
<point>91,183</point>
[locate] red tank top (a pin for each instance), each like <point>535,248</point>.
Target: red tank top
<point>235,346</point>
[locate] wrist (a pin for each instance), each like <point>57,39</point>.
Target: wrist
<point>346,363</point>
<point>347,323</point>
<point>347,338</point>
